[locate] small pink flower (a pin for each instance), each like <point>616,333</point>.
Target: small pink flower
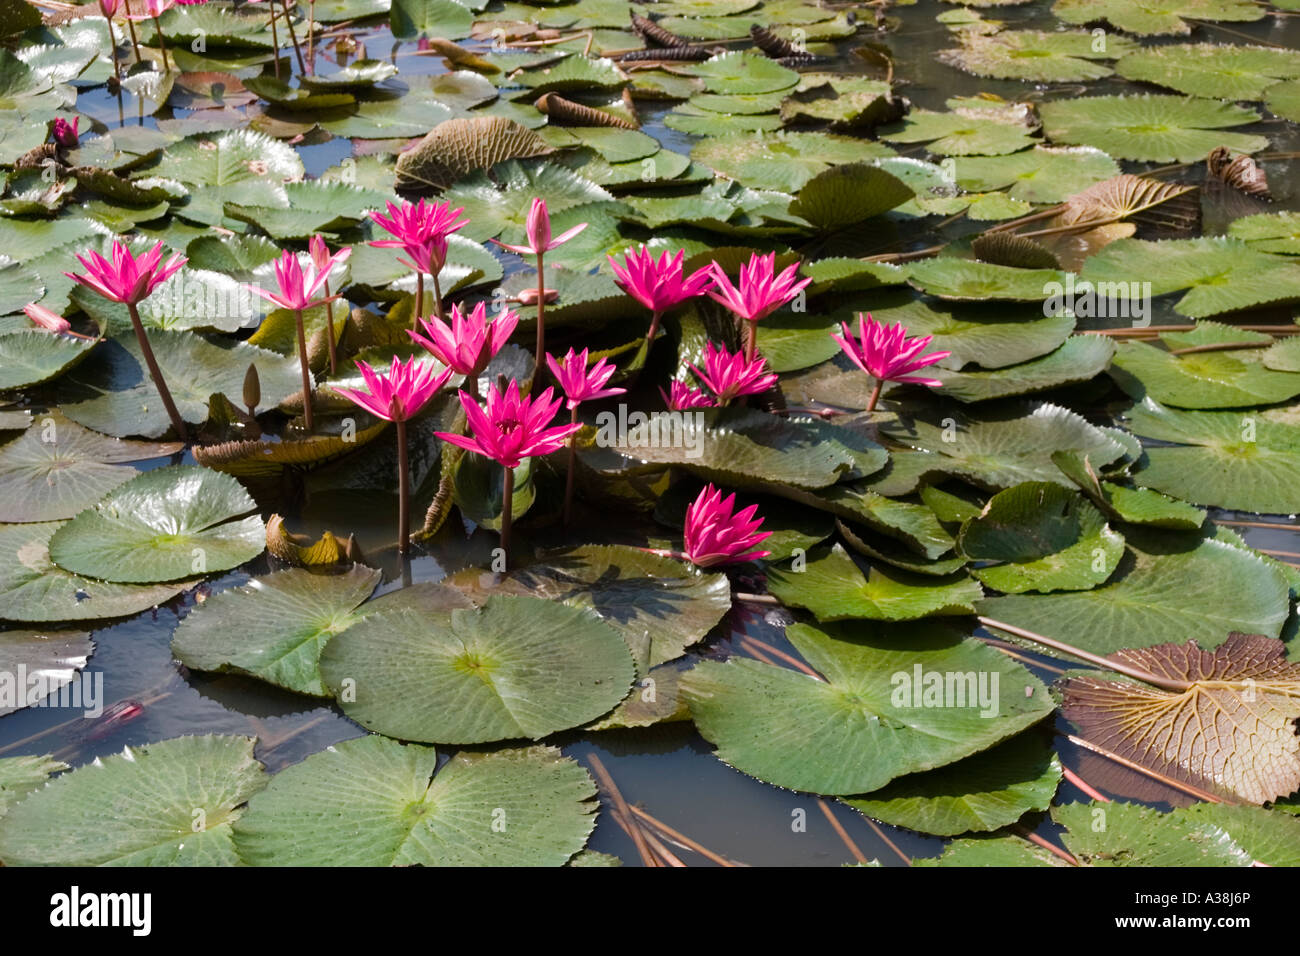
<point>760,292</point>
<point>658,284</point>
<point>580,383</point>
<point>127,279</point>
<point>511,428</point>
<point>320,253</point>
<point>109,8</point>
<point>420,230</point>
<point>298,287</point>
<point>538,230</point>
<point>714,535</point>
<point>683,396</point>
<point>47,320</point>
<point>65,133</point>
<point>731,376</point>
<point>886,353</point>
<point>400,394</point>
<point>468,344</point>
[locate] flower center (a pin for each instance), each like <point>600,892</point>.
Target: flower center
<point>507,425</point>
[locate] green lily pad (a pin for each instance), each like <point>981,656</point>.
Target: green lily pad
<point>56,466</point>
<point>33,589</point>
<point>443,19</point>
<point>379,803</point>
<point>1079,359</point>
<point>782,161</point>
<point>275,627</point>
<point>574,72</point>
<point>162,525</point>
<point>123,400</point>
<point>1283,100</point>
<point>185,795</point>
<point>236,166</point>
<point>660,605</point>
<point>963,132</point>
<point>848,194</point>
<point>1226,379</point>
<point>868,722</point>
<point>1044,538</point>
<point>1269,232</point>
<point>1212,70</point>
<point>1231,460</point>
<point>35,664</point>
<point>743,73</point>
<point>834,588</point>
<point>312,207</point>
<point>963,280</point>
<point>990,790</point>
<point>19,776</point>
<point>1044,174</point>
<point>1148,602</point>
<point>1063,57</point>
<point>31,356</point>
<point>495,210</point>
<point>1155,17</point>
<point>517,667</point>
<point>996,851</point>
<point>1165,129</point>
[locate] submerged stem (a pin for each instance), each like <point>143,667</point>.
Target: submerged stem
<point>162,45</point>
<point>403,490</point>
<point>155,373</point>
<point>306,372</point>
<point>507,506</point>
<point>573,460</point>
<point>437,298</point>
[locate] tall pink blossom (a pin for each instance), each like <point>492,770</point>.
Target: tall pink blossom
<point>887,354</point>
<point>421,230</point>
<point>683,396</point>
<point>130,279</point>
<point>324,263</point>
<point>716,534</point>
<point>730,376</point>
<point>469,342</point>
<point>580,384</point>
<point>758,293</point>
<point>537,228</point>
<point>509,429</point>
<point>658,284</point>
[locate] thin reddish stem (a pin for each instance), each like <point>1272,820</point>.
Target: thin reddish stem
<point>403,490</point>
<point>155,373</point>
<point>306,372</point>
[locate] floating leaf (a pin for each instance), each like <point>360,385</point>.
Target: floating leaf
<point>989,790</point>
<point>848,194</point>
<point>31,356</point>
<point>275,627</point>
<point>1226,379</point>
<point>517,667</point>
<point>1035,55</point>
<point>1044,174</point>
<point>162,525</point>
<point>743,73</point>
<point>56,466</point>
<point>1081,358</point>
<point>834,588</point>
<point>660,605</point>
<point>868,722</point>
<point>1155,17</point>
<point>19,776</point>
<point>963,132</point>
<point>782,161</point>
<point>375,802</point>
<point>1212,70</point>
<point>35,664</point>
<point>1149,603</point>
<point>966,280</point>
<point>167,785</point>
<point>1167,129</point>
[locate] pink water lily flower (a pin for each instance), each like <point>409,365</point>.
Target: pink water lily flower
<point>153,9</point>
<point>758,293</point>
<point>469,342</point>
<point>658,284</point>
<point>511,428</point>
<point>397,396</point>
<point>109,8</point>
<point>538,230</point>
<point>580,383</point>
<point>716,534</point>
<point>298,287</point>
<point>730,376</point>
<point>321,257</point>
<point>401,392</point>
<point>683,396</point>
<point>65,133</point>
<point>420,230</point>
<point>887,354</point>
<point>127,278</point>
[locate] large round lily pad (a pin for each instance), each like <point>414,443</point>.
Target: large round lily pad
<point>163,525</point>
<point>375,802</point>
<point>517,667</point>
<point>895,701</point>
<point>182,796</point>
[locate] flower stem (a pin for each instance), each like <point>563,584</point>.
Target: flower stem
<point>306,373</point>
<point>311,36</point>
<point>751,340</point>
<point>403,490</point>
<point>437,298</point>
<point>540,355</point>
<point>419,300</point>
<point>112,46</point>
<point>875,395</point>
<point>275,39</point>
<point>650,336</point>
<point>329,318</point>
<point>573,462</point>
<point>162,45</point>
<point>293,37</point>
<point>507,506</point>
<point>156,374</point>
<point>130,24</point>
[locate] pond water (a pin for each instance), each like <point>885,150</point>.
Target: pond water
<point>669,770</point>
